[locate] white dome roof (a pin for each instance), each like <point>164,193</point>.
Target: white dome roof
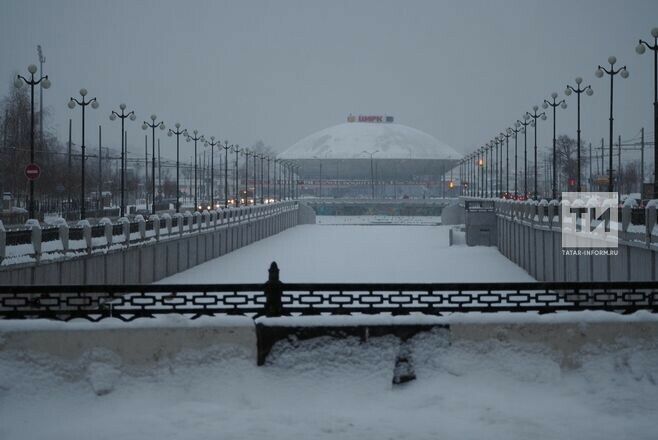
<point>349,140</point>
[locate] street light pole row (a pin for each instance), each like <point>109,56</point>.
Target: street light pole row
<point>471,163</point>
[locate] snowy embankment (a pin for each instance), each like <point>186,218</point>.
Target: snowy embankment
<point>499,382</point>
<point>356,253</point>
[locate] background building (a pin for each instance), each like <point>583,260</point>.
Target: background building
<point>359,158</point>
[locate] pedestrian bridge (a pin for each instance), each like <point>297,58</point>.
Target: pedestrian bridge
<point>395,207</point>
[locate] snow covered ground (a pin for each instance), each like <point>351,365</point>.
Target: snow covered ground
<point>329,389</point>
<point>357,253</point>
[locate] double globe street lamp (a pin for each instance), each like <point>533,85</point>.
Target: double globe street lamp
<point>611,72</point>
<point>640,49</point>
<point>524,122</point>
<point>195,137</point>
<point>226,147</point>
<point>554,104</point>
<point>211,143</point>
<point>45,84</point>
<point>153,125</point>
<point>578,90</point>
<point>113,116</point>
<point>535,116</point>
<point>177,133</point>
<point>83,103</point>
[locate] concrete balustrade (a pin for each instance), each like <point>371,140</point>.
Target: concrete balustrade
<point>86,234</point>
<point>125,229</point>
<point>107,229</point>
<point>149,259</point>
<point>155,219</point>
<point>529,234</point>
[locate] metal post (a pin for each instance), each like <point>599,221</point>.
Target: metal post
<point>642,164</point>
<point>236,148</point>
<point>100,168</point>
<point>640,49</point>
<point>611,72</point>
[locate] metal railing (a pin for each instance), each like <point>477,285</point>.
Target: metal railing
<point>275,298</point>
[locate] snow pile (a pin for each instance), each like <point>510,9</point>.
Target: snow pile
<point>337,389</point>
<point>349,140</point>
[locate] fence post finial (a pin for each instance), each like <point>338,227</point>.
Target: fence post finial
<point>273,292</point>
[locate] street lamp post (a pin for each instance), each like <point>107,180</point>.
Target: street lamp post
<point>640,50</point>
<point>612,72</point>
<point>490,169</point>
<point>554,104</point>
<point>177,133</point>
<point>113,116</point>
<point>195,137</point>
<point>524,122</point>
<point>516,130</point>
<point>507,135</point>
<point>578,90</point>
<point>237,150</point>
<point>372,175</point>
<point>494,166</point>
<point>83,103</point>
<point>483,171</point>
<point>246,153</point>
<point>475,171</point>
<point>226,148</point>
<point>295,182</point>
<point>255,155</point>
<point>45,84</point>
<point>276,161</point>
<point>534,117</point>
<point>262,176</point>
<point>268,159</point>
<point>283,177</point>
<point>212,144</point>
<point>153,125</point>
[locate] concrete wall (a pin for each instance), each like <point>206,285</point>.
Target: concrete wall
<point>154,260</point>
<point>529,234</point>
<point>139,343</point>
<point>147,342</point>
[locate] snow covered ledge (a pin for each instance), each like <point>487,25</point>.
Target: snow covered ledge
<point>143,341</point>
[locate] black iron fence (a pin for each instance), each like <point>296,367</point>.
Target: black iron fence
<point>275,298</point>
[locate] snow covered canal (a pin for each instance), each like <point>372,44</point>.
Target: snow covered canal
<point>358,253</point>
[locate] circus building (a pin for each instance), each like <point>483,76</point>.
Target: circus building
<point>372,156</point>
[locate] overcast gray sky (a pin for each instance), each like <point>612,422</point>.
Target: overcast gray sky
<point>280,70</point>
